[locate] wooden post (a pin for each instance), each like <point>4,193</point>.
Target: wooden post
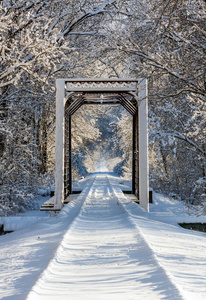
<point>70,157</point>
<point>59,144</point>
<point>67,154</point>
<point>135,166</point>
<point>143,146</point>
<point>133,155</point>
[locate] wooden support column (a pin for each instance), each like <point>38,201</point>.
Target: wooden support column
<point>135,160</point>
<point>143,146</point>
<point>59,144</point>
<point>70,156</point>
<point>67,156</point>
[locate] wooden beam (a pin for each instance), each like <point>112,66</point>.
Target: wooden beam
<point>135,160</point>
<point>101,85</point>
<point>74,106</point>
<point>143,146</point>
<point>67,157</point>
<point>59,144</point>
<point>128,105</point>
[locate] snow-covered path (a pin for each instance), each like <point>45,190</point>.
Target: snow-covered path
<point>103,255</point>
<point>102,245</point>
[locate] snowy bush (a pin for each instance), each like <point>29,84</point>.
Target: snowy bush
<point>17,199</point>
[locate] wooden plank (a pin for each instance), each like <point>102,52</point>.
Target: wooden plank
<point>135,160</point>
<point>129,107</point>
<point>74,106</point>
<point>101,79</point>
<point>50,209</point>
<point>132,197</point>
<point>101,84</point>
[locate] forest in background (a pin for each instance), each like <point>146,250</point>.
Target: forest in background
<point>164,41</point>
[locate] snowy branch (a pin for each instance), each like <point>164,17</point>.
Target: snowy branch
<point>186,139</point>
<point>111,66</point>
<point>82,18</point>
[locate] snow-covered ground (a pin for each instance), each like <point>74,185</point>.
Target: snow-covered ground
<point>104,246</point>
<point>102,166</point>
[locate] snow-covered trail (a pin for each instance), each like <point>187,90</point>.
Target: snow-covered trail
<point>103,256</point>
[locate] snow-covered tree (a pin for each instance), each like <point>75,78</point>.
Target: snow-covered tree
<point>162,40</point>
<point>40,41</point>
<point>172,55</point>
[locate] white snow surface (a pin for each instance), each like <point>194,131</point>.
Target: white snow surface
<point>104,246</point>
<point>102,166</point>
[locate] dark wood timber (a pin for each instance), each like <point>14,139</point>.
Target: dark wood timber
<point>67,156</point>
<point>74,106</point>
<point>135,160</point>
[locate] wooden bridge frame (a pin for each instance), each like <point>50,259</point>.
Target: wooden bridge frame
<point>71,94</point>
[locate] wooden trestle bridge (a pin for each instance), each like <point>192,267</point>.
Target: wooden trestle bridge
<point>71,94</point>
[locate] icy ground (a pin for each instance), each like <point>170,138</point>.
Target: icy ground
<point>104,246</point>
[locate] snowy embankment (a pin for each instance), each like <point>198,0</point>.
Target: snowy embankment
<point>104,246</point>
<point>103,256</point>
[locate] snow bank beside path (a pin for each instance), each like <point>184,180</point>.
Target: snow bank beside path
<point>179,251</point>
<point>172,211</point>
<point>24,254</point>
<point>16,223</point>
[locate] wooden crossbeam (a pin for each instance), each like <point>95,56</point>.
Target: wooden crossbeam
<point>101,84</point>
<point>128,105</point>
<point>74,106</point>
